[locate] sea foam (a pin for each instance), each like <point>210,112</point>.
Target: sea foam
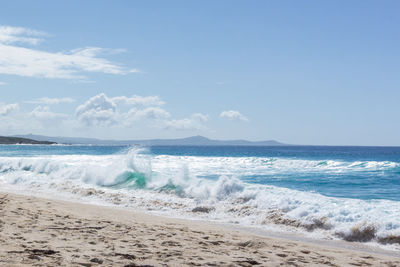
<point>210,188</point>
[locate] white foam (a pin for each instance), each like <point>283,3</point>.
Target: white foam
<point>89,177</point>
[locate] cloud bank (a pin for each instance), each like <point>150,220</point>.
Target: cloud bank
<point>99,113</point>
<point>124,111</point>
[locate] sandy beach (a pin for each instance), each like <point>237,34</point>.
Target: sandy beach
<point>43,232</point>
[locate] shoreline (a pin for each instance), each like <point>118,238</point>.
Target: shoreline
<point>40,231</point>
<point>250,229</point>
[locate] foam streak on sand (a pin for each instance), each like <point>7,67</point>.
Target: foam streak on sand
<point>36,231</point>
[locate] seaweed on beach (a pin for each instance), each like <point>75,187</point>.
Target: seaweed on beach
<point>202,209</point>
<point>278,217</point>
<point>360,233</point>
<point>390,239</point>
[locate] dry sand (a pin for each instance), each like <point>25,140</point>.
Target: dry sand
<point>42,232</point>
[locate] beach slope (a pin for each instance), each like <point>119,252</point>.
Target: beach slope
<point>42,232</point>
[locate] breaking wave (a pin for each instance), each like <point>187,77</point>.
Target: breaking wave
<point>211,188</point>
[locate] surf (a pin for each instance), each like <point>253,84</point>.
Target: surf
<point>215,188</point>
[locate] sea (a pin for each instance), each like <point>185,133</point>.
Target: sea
<point>324,192</point>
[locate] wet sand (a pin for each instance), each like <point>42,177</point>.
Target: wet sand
<point>41,232</point>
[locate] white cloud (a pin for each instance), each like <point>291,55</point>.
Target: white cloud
<point>104,110</point>
<point>200,117</point>
<point>51,101</point>
<point>7,109</point>
<point>9,35</point>
<point>44,113</point>
<point>149,113</point>
<point>35,63</point>
<point>98,110</point>
<point>137,100</point>
<point>135,71</point>
<point>142,113</point>
<point>2,83</point>
<point>233,115</point>
<point>28,62</point>
<point>87,81</point>
<point>194,122</point>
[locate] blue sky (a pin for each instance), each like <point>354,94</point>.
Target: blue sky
<point>301,72</point>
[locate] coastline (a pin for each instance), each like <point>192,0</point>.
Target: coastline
<point>40,231</point>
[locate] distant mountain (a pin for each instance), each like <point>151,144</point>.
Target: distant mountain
<point>7,140</point>
<point>189,141</point>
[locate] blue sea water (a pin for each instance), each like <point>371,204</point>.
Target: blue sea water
<point>362,172</point>
<point>346,187</point>
<point>356,177</point>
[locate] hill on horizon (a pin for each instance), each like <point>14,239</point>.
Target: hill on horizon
<point>8,140</point>
<point>189,141</point>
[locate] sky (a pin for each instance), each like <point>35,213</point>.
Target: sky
<point>300,72</point>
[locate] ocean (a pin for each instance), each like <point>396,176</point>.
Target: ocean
<point>350,193</point>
